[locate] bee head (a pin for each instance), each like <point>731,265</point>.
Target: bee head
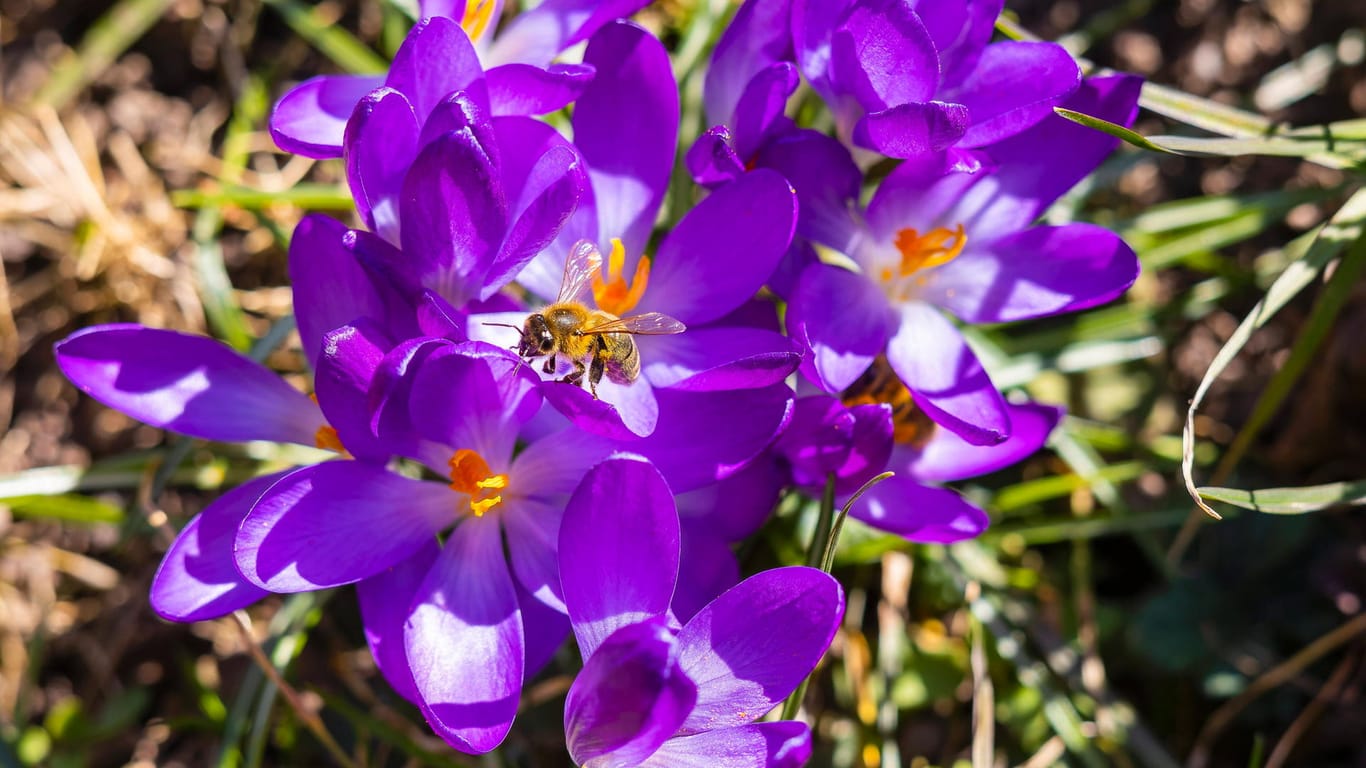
<point>536,337</point>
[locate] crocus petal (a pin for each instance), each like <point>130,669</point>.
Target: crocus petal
<point>1037,272</point>
<point>524,89</point>
<point>547,175</point>
<point>332,286</point>
<point>736,507</point>
<point>884,55</point>
<point>922,193</point>
<point>464,640</point>
<point>1014,85</point>
<point>544,628</point>
<point>828,438</point>
<point>742,667</point>
<point>532,528</point>
<point>497,394</point>
<point>703,437</point>
<point>827,183</point>
<point>707,567</point>
<point>351,355</point>
<point>310,119</point>
<point>193,385</point>
<point>961,32</point>
<point>781,744</point>
<point>760,110</point>
<point>843,318</point>
<point>723,249</point>
<point>454,216</point>
<point>436,59</point>
<point>626,127</point>
<point>628,699</point>
<point>618,549</point>
<point>946,457</point>
<point>536,36</point>
<point>759,35</point>
<point>380,145</point>
<point>908,130</point>
<point>712,161</point>
<point>945,377</point>
<point>619,412</point>
<point>198,579</point>
<point>918,512</point>
<point>337,523</point>
<point>710,358</point>
<point>555,463</point>
<point>385,601</point>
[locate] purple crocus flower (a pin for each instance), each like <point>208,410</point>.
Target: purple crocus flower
<point>907,77</point>
<point>706,268</point>
<point>438,58</point>
<point>941,234</point>
<point>652,692</point>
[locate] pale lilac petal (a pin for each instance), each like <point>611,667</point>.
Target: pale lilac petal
<point>310,119</point>
<point>464,640</point>
<point>545,629</point>
<point>742,667</point>
<point>908,130</point>
<point>1037,272</point>
<point>626,127</point>
<point>945,377</point>
<point>454,216</point>
<point>555,463</point>
<point>532,528</point>
<point>781,744</point>
<point>922,193</point>
<point>435,60</point>
<point>524,89</point>
<point>189,384</point>
<point>538,35</point>
<point>620,411</point>
<point>703,437</point>
<point>714,357</point>
<point>946,457</point>
<point>1014,85</point>
<point>918,512</point>
<point>337,523</point>
<point>618,549</point>
<point>380,145</point>
<point>198,579</point>
<point>844,319</point>
<point>628,699</point>
<point>386,600</point>
<point>723,250</point>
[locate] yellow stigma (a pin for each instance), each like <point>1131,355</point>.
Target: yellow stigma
<point>610,290</point>
<point>880,385</point>
<point>478,14</point>
<point>938,246</point>
<point>471,474</point>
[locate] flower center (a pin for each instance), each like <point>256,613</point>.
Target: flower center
<point>879,385</point>
<point>475,20</point>
<point>938,246</point>
<point>327,439</point>
<point>470,474</point>
<point>610,289</point>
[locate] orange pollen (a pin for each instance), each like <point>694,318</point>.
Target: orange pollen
<point>475,20</point>
<point>610,290</point>
<point>881,386</point>
<point>327,439</point>
<point>938,246</point>
<point>471,474</point>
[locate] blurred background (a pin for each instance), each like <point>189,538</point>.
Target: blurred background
<point>1101,621</point>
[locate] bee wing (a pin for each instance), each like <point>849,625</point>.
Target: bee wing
<point>580,268</point>
<point>647,324</point>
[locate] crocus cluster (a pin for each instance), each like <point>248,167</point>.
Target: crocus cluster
<point>495,473</point>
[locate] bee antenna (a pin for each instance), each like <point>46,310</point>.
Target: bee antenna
<point>516,328</point>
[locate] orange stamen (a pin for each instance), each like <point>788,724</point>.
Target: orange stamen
<point>938,246</point>
<point>610,290</point>
<point>327,439</point>
<point>470,474</point>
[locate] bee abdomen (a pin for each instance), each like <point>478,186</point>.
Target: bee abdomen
<point>623,358</point>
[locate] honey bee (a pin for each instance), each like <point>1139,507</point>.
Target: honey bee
<point>598,343</point>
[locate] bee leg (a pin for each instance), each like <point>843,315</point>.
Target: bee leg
<point>595,372</point>
<point>549,365</point>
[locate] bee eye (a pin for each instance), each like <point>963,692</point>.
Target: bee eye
<point>547,345</point>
